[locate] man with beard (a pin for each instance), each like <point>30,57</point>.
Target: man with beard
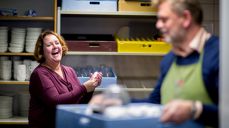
<point>189,81</point>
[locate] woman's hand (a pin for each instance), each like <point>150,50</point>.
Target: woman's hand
<point>96,78</point>
<point>94,81</point>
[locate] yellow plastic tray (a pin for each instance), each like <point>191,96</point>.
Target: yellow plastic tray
<point>142,45</point>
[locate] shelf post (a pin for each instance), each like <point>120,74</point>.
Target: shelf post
<point>58,21</point>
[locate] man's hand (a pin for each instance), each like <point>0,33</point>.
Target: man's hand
<point>177,111</point>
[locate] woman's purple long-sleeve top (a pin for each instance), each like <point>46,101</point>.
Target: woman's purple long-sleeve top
<point>48,89</point>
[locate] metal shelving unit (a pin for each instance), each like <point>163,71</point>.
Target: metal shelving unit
<point>46,18</point>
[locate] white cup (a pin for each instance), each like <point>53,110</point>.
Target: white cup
<point>21,72</point>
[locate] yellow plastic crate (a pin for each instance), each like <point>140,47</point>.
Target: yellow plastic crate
<point>143,46</point>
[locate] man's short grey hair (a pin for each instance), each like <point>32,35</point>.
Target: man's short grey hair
<point>179,6</point>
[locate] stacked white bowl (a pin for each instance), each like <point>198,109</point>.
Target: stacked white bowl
<point>31,38</point>
<point>5,69</point>
<point>17,40</point>
<point>3,38</point>
<point>6,107</point>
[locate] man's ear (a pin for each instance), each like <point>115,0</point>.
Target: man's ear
<point>187,18</point>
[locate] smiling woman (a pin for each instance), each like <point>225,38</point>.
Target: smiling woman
<point>52,83</point>
<point>41,42</point>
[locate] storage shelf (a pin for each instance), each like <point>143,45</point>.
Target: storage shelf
<point>114,53</point>
<point>14,120</point>
<point>88,53</point>
<point>15,54</point>
<point>97,89</point>
<point>109,13</point>
<point>27,18</point>
<point>14,82</point>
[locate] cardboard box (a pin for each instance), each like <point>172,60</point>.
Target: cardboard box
<point>90,5</point>
<point>92,46</point>
<point>136,6</point>
<point>76,42</point>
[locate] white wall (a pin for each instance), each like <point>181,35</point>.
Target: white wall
<point>224,67</point>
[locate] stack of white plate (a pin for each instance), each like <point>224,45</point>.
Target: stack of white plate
<point>5,69</point>
<point>15,66</point>
<point>34,64</point>
<point>31,38</point>
<point>17,40</point>
<point>3,38</point>
<point>27,63</point>
<point>6,107</point>
<point>24,103</point>
<point>21,72</point>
